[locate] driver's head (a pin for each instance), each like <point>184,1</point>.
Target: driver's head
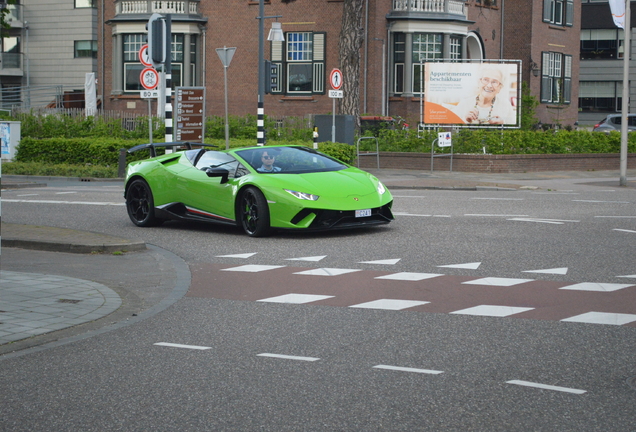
<point>267,159</point>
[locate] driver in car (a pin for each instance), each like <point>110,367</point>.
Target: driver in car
<point>268,163</point>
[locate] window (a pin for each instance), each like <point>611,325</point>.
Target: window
<point>600,96</point>
<point>558,12</point>
<point>556,78</point>
<point>86,48</point>
<point>426,47</point>
<point>399,51</point>
<point>85,4</point>
<point>601,44</point>
<point>133,68</point>
<point>300,61</point>
<point>455,48</point>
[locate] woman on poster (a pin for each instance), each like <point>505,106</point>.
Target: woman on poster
<point>489,106</point>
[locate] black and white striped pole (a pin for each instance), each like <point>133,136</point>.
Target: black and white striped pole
<point>160,53</point>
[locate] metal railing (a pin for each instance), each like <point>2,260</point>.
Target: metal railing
<point>124,7</point>
<point>455,7</point>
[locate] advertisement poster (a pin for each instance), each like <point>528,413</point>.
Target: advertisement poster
<point>475,94</point>
<point>5,138</point>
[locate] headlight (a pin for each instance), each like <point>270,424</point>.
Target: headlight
<point>381,188</point>
<point>303,195</point>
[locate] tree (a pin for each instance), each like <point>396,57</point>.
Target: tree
<point>350,42</point>
<point>4,25</point>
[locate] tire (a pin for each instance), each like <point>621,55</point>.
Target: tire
<point>254,213</point>
<point>140,204</point>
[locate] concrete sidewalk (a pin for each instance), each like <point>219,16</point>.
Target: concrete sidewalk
<point>56,282</point>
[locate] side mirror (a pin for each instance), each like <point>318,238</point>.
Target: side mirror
<point>218,172</point>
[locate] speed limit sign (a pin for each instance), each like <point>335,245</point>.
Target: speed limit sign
<point>149,78</point>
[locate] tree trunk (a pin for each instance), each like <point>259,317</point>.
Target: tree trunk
<point>351,36</point>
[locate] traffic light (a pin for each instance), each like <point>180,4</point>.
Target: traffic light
<point>271,77</point>
<point>156,39</point>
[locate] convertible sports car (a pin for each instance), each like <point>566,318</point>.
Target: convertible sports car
<point>256,188</point>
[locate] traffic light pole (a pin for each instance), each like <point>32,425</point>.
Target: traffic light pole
<point>168,72</point>
<point>260,121</point>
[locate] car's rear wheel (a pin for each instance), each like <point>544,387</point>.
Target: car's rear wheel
<point>254,213</point>
<point>141,205</point>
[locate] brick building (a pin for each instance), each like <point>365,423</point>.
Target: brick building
<point>398,36</point>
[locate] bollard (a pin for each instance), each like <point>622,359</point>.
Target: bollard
<point>315,138</point>
<point>121,171</point>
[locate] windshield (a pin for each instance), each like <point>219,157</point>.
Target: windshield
<point>290,160</point>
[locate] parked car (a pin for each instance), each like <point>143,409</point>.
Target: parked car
<point>256,188</point>
<point>613,123</point>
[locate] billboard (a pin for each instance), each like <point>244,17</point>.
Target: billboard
<point>471,94</point>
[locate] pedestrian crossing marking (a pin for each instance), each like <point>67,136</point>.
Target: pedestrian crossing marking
<point>598,287</point>
<point>252,268</point>
<point>556,271</point>
<point>408,276</point>
<point>493,281</point>
<point>602,318</point>
<point>492,311</point>
<point>310,258</point>
<point>468,266</point>
<point>389,304</point>
<point>327,272</point>
<point>387,261</point>
<point>295,298</point>
<point>243,256</point>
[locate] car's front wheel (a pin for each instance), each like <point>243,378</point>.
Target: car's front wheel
<point>141,205</point>
<point>254,213</point>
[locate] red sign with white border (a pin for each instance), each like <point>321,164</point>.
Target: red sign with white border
<point>149,78</point>
<point>144,57</point>
<point>335,78</point>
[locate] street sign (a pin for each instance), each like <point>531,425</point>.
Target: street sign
<point>144,57</point>
<point>190,114</point>
<point>444,139</point>
<point>149,94</point>
<point>336,94</point>
<point>225,55</point>
<point>335,78</point>
<point>149,78</point>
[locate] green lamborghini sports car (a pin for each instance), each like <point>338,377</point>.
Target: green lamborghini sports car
<point>258,189</point>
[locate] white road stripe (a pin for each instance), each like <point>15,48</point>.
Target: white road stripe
<point>288,357</point>
<point>65,202</point>
<point>623,230</point>
<point>407,369</point>
<point>617,217</point>
<point>493,215</point>
<point>546,387</point>
<point>499,199</point>
<point>193,347</point>
<point>610,202</point>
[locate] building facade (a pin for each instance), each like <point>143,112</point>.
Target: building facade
<point>47,51</point>
<point>602,61</point>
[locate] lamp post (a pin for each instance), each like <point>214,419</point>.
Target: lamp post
<point>276,34</point>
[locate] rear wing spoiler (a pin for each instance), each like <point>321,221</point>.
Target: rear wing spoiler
<point>153,146</point>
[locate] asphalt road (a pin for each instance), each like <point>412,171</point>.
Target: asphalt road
<point>220,359</point>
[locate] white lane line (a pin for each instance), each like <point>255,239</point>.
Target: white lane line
<point>419,215</point>
<point>602,318</point>
<point>540,220</point>
<point>628,276</point>
<point>65,193</point>
<point>65,202</point>
<point>623,230</point>
<point>192,347</point>
<point>492,311</point>
<point>23,195</point>
<point>295,298</point>
<point>556,193</point>
<point>604,202</point>
<point>499,199</point>
<point>288,357</point>
<point>617,217</point>
<point>546,387</point>
<point>389,304</point>
<point>408,369</point>
<point>493,215</point>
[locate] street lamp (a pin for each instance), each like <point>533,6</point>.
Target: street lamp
<point>275,34</point>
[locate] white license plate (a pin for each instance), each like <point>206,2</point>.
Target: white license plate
<point>363,213</point>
